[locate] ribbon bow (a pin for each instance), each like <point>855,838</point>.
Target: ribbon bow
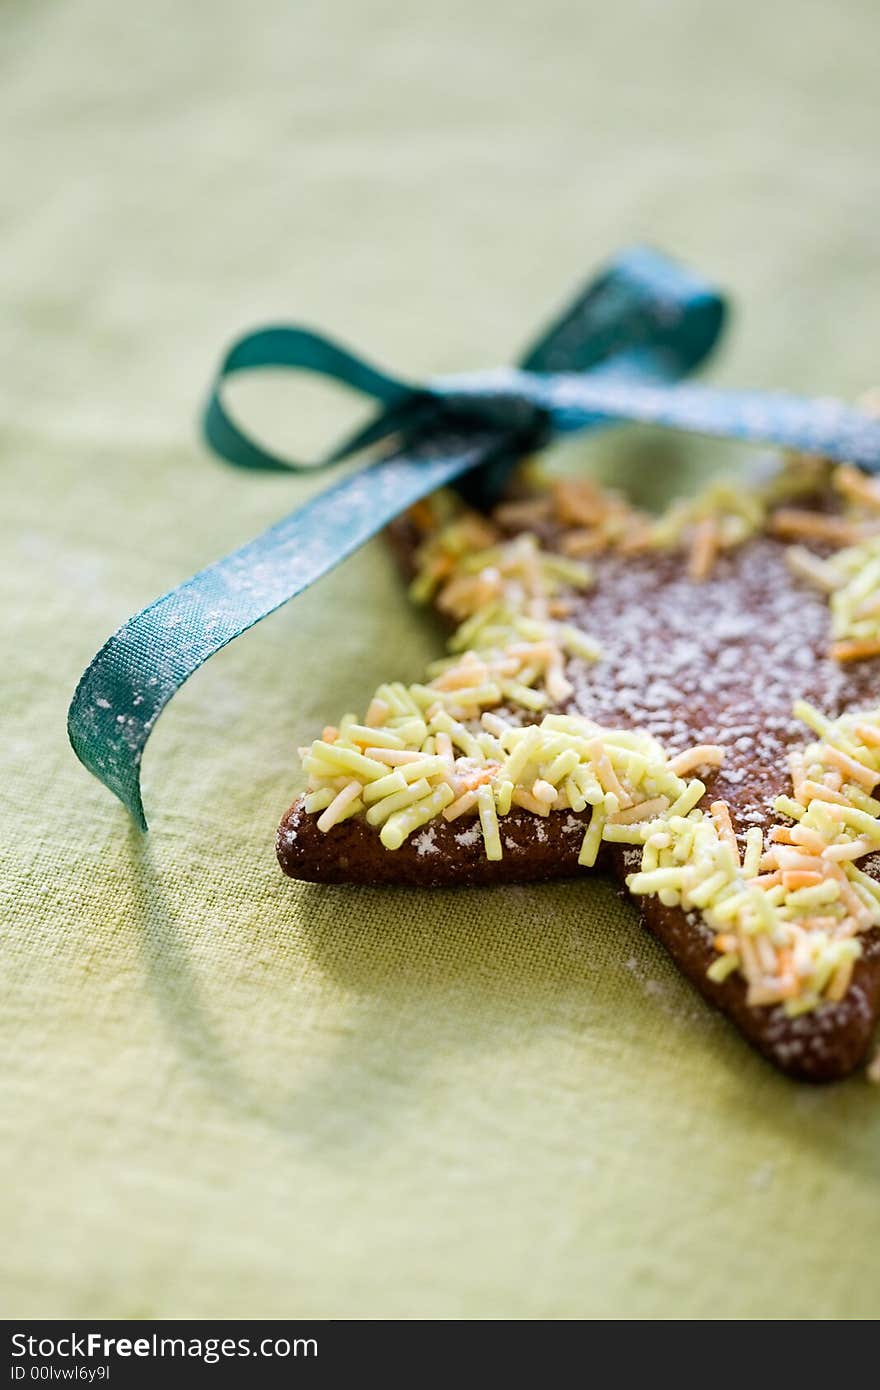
<point>613,356</point>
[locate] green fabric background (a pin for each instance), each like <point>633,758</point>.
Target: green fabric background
<point>226,1094</point>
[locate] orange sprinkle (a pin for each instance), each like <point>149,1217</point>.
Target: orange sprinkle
<point>858,649</point>
<point>472,780</point>
<point>645,810</point>
<point>807,839</point>
<point>782,835</point>
<point>869,734</point>
<point>849,897</point>
<point>772,991</point>
<point>578,502</point>
<point>703,755</point>
<point>392,756</point>
<point>529,802</point>
<point>704,549</point>
<point>459,677</point>
<point>766,880</point>
<point>477,532</point>
<point>463,803</point>
<point>799,878</point>
<point>522,513</point>
<point>789,859</point>
<point>785,961</point>
<point>637,538</point>
<point>816,791</point>
<point>795,523</point>
<point>854,485</point>
<point>840,981</point>
<point>605,772</point>
<point>444,747</point>
<point>559,607</point>
<point>421,516</point>
<point>441,566</point>
<point>584,541</point>
<point>339,805</point>
<point>856,771</point>
<point>544,791</point>
<point>798,771</point>
<point>378,713</point>
<point>330,733</point>
<point>720,812</point>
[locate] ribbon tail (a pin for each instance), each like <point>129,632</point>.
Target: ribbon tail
<point>135,674</point>
<point>822,427</point>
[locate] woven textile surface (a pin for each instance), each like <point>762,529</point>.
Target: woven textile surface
<point>226,1094</point>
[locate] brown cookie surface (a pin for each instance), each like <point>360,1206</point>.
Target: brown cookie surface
<point>716,662</point>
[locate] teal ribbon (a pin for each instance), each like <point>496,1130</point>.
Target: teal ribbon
<point>616,354</point>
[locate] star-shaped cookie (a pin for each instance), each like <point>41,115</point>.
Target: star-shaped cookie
<point>689,703</point>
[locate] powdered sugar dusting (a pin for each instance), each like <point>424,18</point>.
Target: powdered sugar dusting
<point>471,836</point>
<point>426,842</point>
<point>717,662</point>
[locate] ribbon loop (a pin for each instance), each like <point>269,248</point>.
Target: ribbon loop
<point>643,316</point>
<point>644,313</point>
<point>300,349</point>
<point>616,353</point>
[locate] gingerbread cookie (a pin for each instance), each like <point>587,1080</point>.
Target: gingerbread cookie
<point>691,702</point>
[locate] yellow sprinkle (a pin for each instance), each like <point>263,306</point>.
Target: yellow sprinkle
<point>654,882</point>
<point>722,967</point>
<point>403,823</point>
<point>623,834</point>
<point>562,765</point>
<point>576,799</point>
<point>522,754</point>
<point>424,767</point>
<point>688,799</point>
<point>391,804</point>
<point>384,786</point>
<point>346,760</point>
<point>592,839</point>
<point>804,564</point>
<point>379,738</point>
<point>489,822</point>
<point>754,848</point>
